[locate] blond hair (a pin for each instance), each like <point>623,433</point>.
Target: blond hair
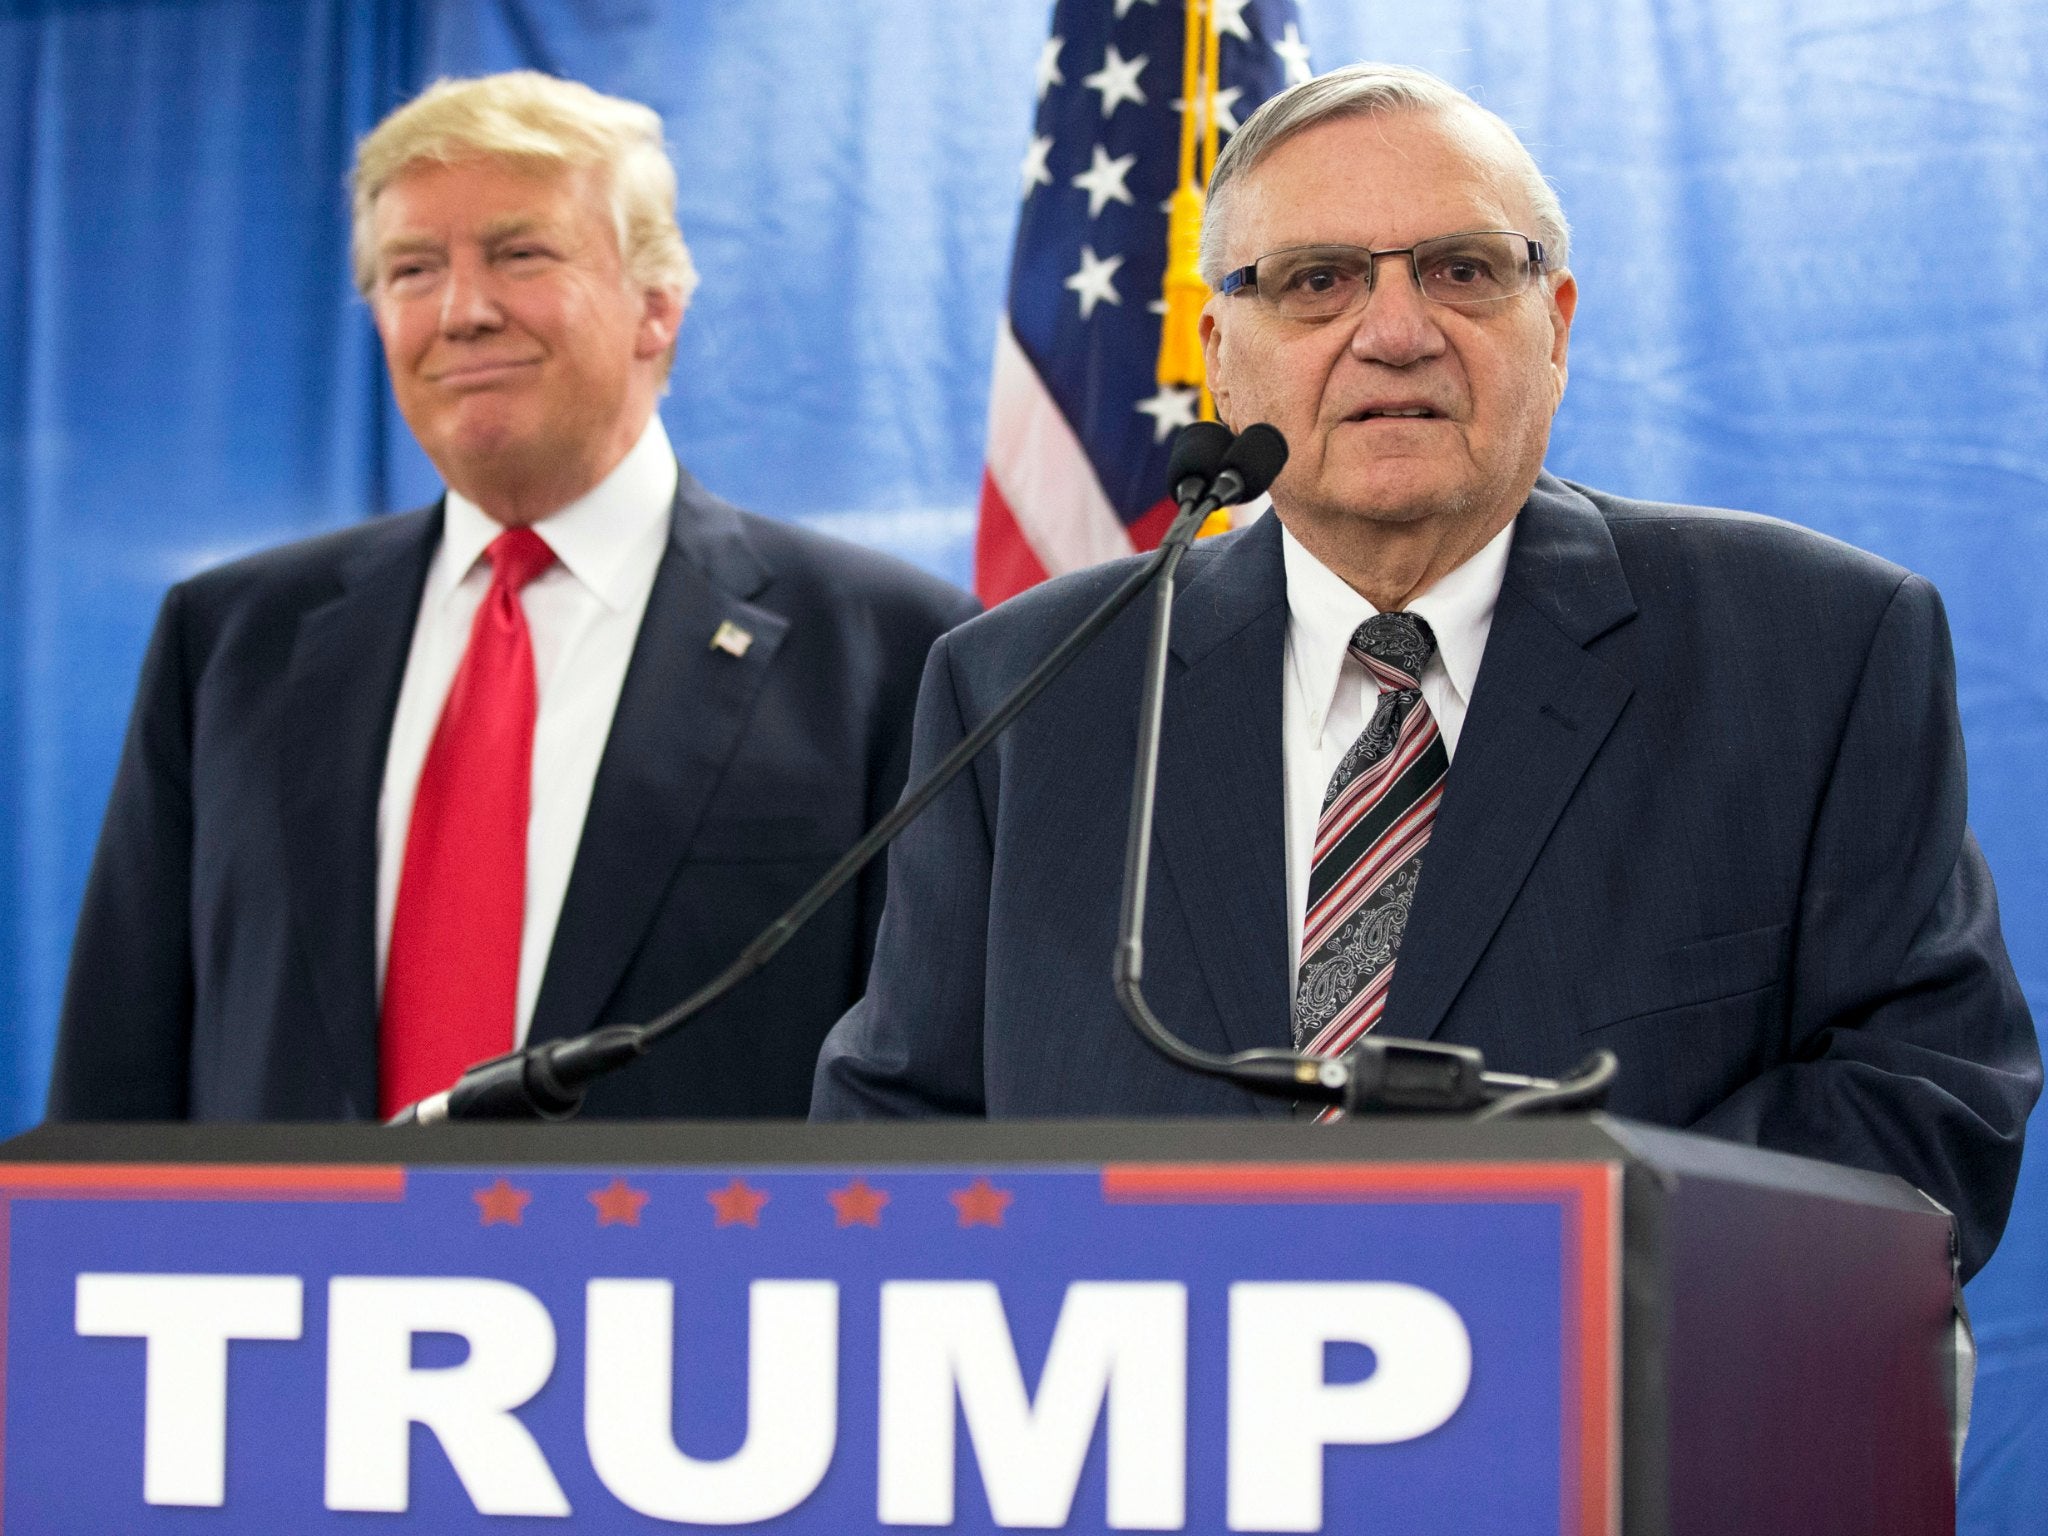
<point>534,119</point>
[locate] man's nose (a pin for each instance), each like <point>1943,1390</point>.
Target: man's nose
<point>467,304</point>
<point>1397,325</point>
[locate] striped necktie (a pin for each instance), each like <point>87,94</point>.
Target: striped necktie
<point>1369,839</point>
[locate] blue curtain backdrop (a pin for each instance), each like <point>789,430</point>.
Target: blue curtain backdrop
<point>1812,242</point>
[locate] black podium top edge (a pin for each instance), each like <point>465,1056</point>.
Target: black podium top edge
<point>1049,1143</point>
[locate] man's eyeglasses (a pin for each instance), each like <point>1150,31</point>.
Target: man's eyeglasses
<point>1321,282</point>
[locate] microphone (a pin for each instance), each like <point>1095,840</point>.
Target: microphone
<point>1377,1072</point>
<point>1253,463</point>
<point>1198,453</point>
<point>548,1081</point>
<point>1212,469</point>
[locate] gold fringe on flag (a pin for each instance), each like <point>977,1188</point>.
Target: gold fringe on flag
<point>1183,292</point>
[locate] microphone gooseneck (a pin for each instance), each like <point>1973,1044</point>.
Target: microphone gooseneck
<point>548,1081</point>
<point>1377,1072</point>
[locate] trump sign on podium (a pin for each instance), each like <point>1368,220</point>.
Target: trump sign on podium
<point>1397,1346</point>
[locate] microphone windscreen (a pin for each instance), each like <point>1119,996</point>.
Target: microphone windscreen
<point>1258,456</point>
<point>1198,451</point>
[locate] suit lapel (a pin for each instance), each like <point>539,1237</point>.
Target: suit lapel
<point>1222,822</point>
<point>1540,711</point>
<point>347,663</point>
<point>680,716</point>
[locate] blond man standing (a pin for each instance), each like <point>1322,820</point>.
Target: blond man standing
<point>539,757</point>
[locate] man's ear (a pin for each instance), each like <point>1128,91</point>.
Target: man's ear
<point>1212,361</point>
<point>661,317</point>
<point>1564,303</point>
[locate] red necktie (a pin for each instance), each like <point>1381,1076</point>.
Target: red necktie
<point>451,983</point>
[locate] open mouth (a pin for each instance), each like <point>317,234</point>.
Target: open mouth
<point>1395,413</point>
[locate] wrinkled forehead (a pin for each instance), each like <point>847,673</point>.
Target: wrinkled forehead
<point>1382,179</point>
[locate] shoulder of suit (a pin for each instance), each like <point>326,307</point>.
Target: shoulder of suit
<point>1047,611</point>
<point>310,561</point>
<point>1748,545</point>
<point>1039,616</point>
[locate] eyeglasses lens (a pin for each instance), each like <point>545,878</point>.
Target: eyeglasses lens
<point>1318,282</point>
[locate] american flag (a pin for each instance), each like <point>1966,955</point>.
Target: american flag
<point>1079,424</point>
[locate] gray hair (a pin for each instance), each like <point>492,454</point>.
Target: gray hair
<point>1364,90</point>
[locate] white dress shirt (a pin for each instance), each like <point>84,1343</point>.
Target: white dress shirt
<point>1328,696</point>
<point>583,613</point>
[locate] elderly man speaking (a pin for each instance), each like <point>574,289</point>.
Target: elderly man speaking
<point>1455,749</point>
<point>540,757</point>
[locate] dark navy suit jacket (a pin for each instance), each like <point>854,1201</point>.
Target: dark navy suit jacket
<point>1707,809</point>
<point>225,962</point>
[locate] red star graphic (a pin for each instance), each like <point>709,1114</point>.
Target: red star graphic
<point>981,1204</point>
<point>738,1204</point>
<point>859,1204</point>
<point>618,1204</point>
<point>501,1204</point>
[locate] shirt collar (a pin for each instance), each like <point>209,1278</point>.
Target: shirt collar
<point>1324,611</point>
<point>1459,610</point>
<point>596,537</point>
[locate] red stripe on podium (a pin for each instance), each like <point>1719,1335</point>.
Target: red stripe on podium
<point>1260,1183</point>
<point>1592,1387</point>
<point>203,1181</point>
<point>6,1312</point>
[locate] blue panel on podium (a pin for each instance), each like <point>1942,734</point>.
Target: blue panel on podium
<point>1411,1346</point>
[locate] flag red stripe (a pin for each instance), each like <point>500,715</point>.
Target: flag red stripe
<point>1004,563</point>
<point>1148,530</point>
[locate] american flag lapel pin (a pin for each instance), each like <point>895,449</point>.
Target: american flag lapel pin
<point>730,638</point>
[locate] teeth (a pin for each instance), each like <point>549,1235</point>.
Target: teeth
<point>1420,411</point>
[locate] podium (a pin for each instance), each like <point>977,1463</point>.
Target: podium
<point>1579,1325</point>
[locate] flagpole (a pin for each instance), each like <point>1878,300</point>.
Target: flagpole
<point>1211,94</point>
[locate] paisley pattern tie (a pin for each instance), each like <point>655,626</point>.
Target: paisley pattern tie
<point>1369,839</point>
